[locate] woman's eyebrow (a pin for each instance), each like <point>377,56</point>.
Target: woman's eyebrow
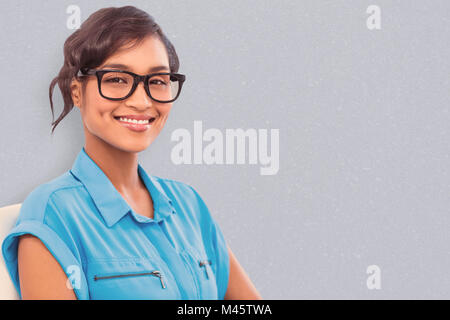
<point>125,67</point>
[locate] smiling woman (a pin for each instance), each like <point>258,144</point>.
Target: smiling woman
<point>127,234</point>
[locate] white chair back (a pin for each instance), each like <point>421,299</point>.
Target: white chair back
<point>8,217</point>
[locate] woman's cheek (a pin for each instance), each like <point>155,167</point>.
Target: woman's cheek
<point>96,125</point>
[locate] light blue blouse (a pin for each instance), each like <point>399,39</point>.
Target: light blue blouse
<point>109,251</point>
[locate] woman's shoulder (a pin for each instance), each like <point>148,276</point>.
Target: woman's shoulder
<point>36,204</point>
<point>40,217</point>
<point>186,196</point>
<point>175,188</point>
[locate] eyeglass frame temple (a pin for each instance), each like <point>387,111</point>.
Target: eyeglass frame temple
<point>137,78</point>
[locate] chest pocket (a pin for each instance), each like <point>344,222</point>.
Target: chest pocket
<point>201,267</point>
<point>122,279</point>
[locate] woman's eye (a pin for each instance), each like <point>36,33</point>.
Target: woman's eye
<point>158,82</point>
<point>115,80</point>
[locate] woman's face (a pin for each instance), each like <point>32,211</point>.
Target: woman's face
<point>99,114</point>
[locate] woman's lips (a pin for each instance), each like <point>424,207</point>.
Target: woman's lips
<point>135,126</point>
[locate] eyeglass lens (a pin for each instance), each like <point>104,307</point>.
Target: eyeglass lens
<point>118,85</point>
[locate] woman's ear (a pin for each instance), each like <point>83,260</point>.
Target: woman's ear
<point>75,89</point>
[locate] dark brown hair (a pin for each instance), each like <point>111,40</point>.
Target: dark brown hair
<point>105,31</point>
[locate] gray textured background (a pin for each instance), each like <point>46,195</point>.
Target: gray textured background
<point>364,133</point>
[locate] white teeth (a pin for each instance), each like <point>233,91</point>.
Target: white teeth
<point>133,121</point>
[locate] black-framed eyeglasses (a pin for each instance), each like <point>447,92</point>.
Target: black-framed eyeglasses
<point>163,87</point>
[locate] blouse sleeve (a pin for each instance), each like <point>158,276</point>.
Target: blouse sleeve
<point>222,259</point>
<point>32,220</point>
<point>215,241</point>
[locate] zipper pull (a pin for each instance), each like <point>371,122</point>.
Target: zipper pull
<point>159,275</point>
<point>203,264</point>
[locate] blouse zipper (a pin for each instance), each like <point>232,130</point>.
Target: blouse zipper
<point>155,273</point>
<point>203,264</point>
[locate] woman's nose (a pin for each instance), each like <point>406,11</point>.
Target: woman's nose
<point>140,95</point>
